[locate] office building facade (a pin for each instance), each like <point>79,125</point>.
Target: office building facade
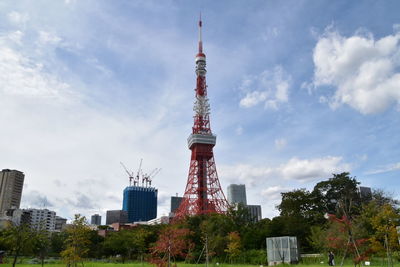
<point>60,223</point>
<point>11,184</point>
<point>237,194</point>
<point>140,202</point>
<point>116,216</point>
<point>175,202</point>
<point>254,212</point>
<point>95,219</point>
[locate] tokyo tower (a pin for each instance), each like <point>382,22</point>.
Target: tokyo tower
<point>203,193</point>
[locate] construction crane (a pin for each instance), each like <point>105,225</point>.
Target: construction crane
<point>152,174</point>
<point>130,174</point>
<point>139,173</point>
<point>145,178</point>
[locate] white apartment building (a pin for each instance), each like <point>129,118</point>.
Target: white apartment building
<point>42,219</point>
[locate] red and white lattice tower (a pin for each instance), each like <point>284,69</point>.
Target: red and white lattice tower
<point>203,193</point>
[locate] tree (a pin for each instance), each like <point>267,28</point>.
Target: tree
<point>57,241</point>
<point>41,244</point>
<point>172,243</point>
<point>234,247</point>
<point>77,242</point>
<point>343,236</point>
<point>385,238</point>
<point>140,237</point>
<point>119,243</point>
<point>317,238</point>
<point>338,195</point>
<point>18,240</point>
<point>216,228</point>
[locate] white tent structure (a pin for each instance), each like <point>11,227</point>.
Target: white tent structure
<point>282,249</point>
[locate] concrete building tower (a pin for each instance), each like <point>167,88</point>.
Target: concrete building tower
<point>42,219</point>
<point>237,194</point>
<point>95,219</point>
<point>11,183</point>
<point>116,216</point>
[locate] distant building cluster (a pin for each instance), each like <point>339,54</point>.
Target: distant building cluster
<point>237,195</point>
<point>11,185</point>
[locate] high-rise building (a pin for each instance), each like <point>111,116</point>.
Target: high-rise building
<point>175,202</point>
<point>254,212</point>
<point>18,216</point>
<point>95,219</point>
<point>116,216</point>
<point>365,192</point>
<point>42,219</point>
<point>140,202</point>
<point>60,223</point>
<point>237,194</point>
<point>11,183</point>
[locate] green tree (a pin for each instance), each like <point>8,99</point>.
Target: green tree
<point>385,239</point>
<point>41,244</point>
<point>140,237</point>
<point>57,241</point>
<point>338,195</point>
<point>216,228</point>
<point>17,239</point>
<point>119,243</point>
<point>234,246</point>
<point>317,238</point>
<point>77,243</point>
<point>96,245</point>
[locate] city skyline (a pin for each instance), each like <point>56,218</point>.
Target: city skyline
<point>298,90</point>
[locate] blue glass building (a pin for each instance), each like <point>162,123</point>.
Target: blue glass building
<point>140,203</point>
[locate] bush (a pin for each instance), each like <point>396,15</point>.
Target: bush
<point>254,256</point>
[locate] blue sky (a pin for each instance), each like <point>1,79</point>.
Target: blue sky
<point>298,90</point>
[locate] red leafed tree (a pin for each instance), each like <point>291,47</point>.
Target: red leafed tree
<point>342,238</point>
<point>172,242</point>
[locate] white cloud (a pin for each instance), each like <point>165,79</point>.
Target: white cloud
<point>363,70</point>
<point>387,168</point>
<point>273,192</point>
<point>20,75</point>
<point>301,170</point>
<point>311,169</point>
<point>270,88</point>
<point>48,38</point>
<point>62,143</point>
<point>239,130</point>
<point>17,18</point>
<point>280,143</point>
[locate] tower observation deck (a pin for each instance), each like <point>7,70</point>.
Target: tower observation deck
<point>203,193</point>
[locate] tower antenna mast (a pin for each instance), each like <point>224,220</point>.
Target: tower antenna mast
<point>203,193</point>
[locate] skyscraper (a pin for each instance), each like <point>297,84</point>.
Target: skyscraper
<point>140,202</point>
<point>116,216</point>
<point>11,183</point>
<point>175,202</point>
<point>237,194</point>
<point>95,219</point>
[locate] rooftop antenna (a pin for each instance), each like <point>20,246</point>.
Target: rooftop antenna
<point>200,36</point>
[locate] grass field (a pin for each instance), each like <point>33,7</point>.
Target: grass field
<point>101,264</point>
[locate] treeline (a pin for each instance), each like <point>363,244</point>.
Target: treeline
<point>334,216</point>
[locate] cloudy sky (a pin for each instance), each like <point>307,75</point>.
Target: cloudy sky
<point>298,90</point>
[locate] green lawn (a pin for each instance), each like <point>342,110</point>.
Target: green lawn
<point>374,263</point>
<point>100,264</point>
